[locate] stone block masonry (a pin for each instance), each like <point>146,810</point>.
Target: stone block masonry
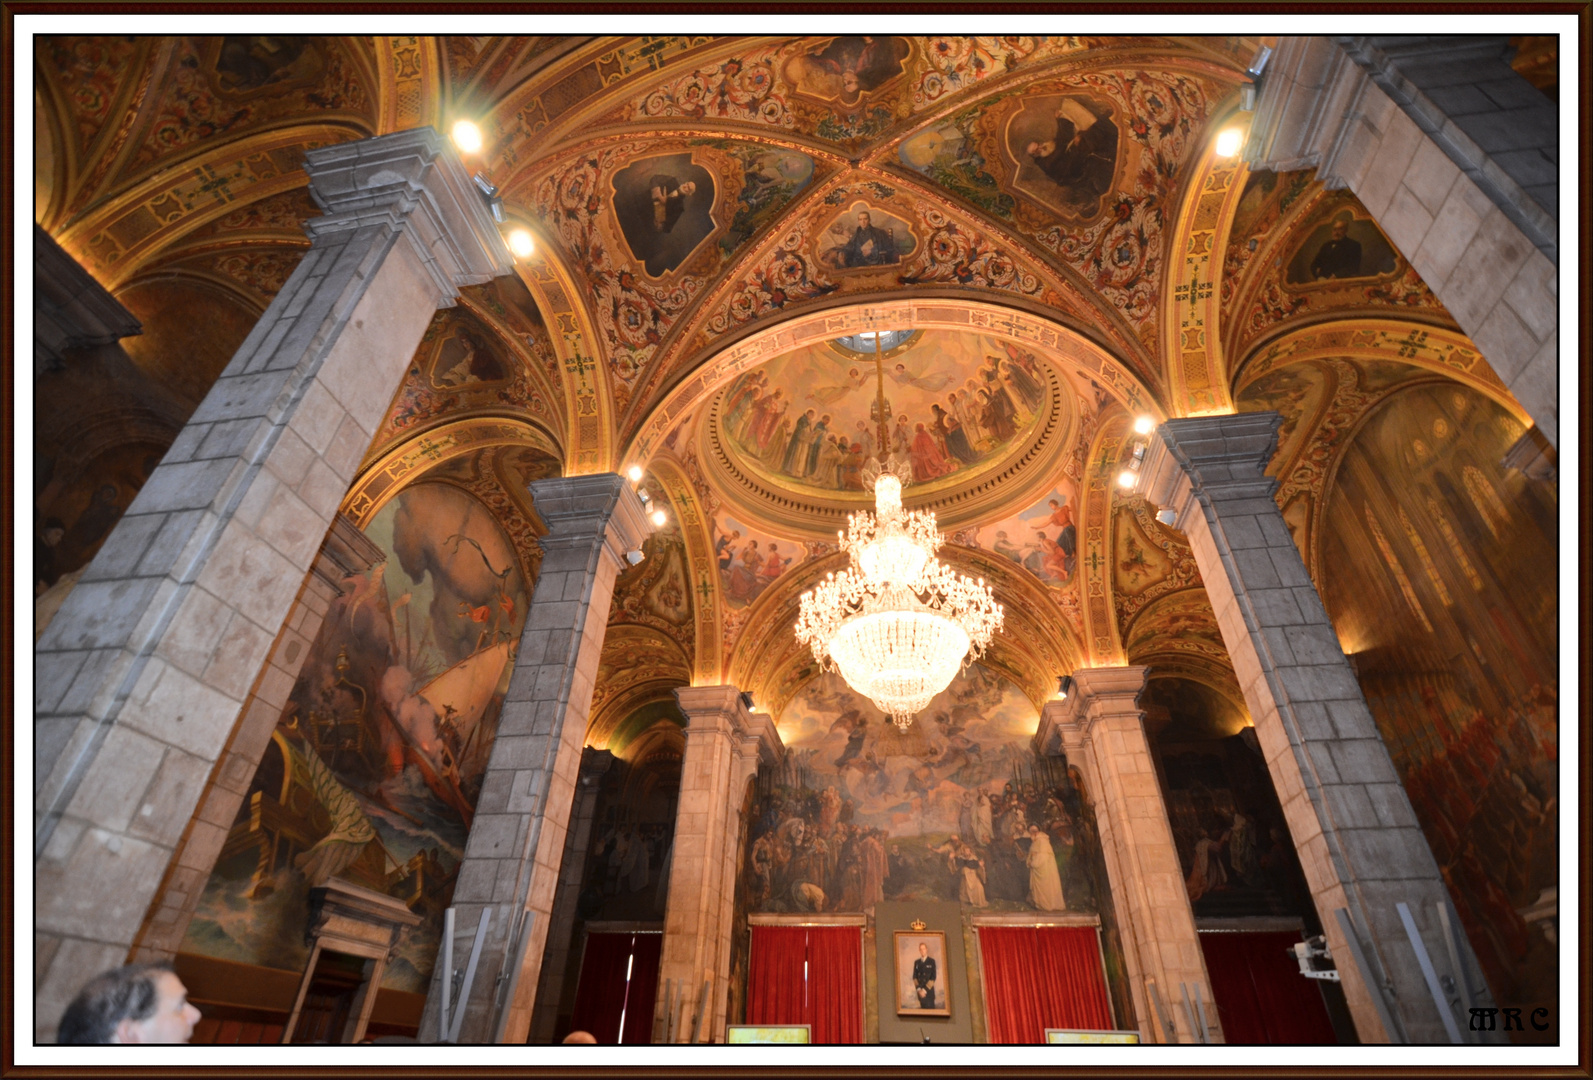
<point>143,674</point>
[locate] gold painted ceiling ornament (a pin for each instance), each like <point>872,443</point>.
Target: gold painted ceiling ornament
<point>899,624</point>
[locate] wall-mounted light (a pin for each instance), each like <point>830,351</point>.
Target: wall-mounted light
<point>489,192</point>
<point>1228,142</point>
<point>1064,687</point>
<point>659,518</point>
<point>635,556</point>
<point>1144,425</point>
<point>1126,478</point>
<point>521,243</point>
<point>1166,517</point>
<point>467,137</point>
<point>635,473</point>
<point>1259,64</point>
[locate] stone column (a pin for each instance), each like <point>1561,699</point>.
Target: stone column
<point>561,927</point>
<point>345,552</point>
<point>724,744</point>
<point>1352,823</point>
<point>144,671</point>
<point>516,841</point>
<point>1102,730</point>
<point>1456,156</point>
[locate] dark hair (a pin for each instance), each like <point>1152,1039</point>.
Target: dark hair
<point>127,993</point>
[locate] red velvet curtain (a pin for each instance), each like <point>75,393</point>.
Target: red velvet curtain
<point>830,997</point>
<point>601,995</point>
<point>1262,999</point>
<point>643,994</point>
<point>835,983</point>
<point>1039,977</point>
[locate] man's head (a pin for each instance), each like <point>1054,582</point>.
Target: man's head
<point>1341,229</point>
<point>139,1003</point>
<point>1041,149</point>
<point>688,188</point>
<point>53,531</point>
<point>581,1038</point>
<point>863,219</point>
<point>923,949</point>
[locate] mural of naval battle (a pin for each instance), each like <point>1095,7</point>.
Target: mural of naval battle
<point>374,767</point>
<point>957,808</point>
<point>954,403</point>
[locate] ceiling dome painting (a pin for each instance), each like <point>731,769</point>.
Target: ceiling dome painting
<point>961,407</point>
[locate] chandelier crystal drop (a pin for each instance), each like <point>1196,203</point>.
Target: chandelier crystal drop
<point>898,624</point>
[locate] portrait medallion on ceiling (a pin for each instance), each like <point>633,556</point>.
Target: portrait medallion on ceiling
<point>1064,150</point>
<point>797,430</point>
<point>864,237</point>
<point>664,206</point>
<point>1341,247</point>
<point>848,69</point>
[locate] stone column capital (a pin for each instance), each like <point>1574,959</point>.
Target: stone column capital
<point>720,710</point>
<point>579,509</point>
<point>1201,456</point>
<point>414,180</point>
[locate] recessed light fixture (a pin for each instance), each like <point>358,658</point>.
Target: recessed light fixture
<point>467,137</point>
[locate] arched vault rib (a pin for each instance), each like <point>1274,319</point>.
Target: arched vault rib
<point>943,313</point>
<point>583,372</point>
<point>386,477</point>
<point>120,236</point>
<point>1191,298</point>
<point>1033,649</point>
<point>1434,348</point>
<point>697,529</point>
<point>409,84</point>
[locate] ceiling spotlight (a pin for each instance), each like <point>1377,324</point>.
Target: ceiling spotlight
<point>1144,425</point>
<point>635,473</point>
<point>521,244</point>
<point>467,137</point>
<point>1126,478</point>
<point>1064,687</point>
<point>659,518</point>
<point>1167,517</point>
<point>1228,142</point>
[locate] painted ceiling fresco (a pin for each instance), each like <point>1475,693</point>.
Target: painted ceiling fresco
<point>690,194</point>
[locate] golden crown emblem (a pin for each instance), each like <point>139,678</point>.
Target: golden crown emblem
<point>919,924</point>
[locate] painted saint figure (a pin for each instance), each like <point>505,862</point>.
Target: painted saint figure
<point>1081,156</point>
<point>1045,881</point>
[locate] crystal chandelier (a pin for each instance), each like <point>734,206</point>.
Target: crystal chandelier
<point>898,624</point>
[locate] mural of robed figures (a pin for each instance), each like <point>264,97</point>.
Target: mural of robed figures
<point>1344,247</point>
<point>664,206</point>
<point>1066,152</point>
<point>956,808</point>
<point>848,68</point>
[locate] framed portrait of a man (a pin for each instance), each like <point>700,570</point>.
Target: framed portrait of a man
<point>922,983</point>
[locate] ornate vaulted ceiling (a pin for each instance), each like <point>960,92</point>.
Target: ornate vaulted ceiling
<point>1042,218</point>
